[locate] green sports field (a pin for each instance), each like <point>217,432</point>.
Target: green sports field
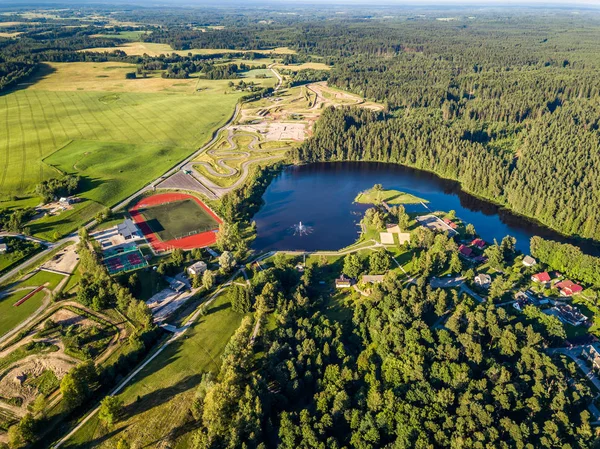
<point>178,219</point>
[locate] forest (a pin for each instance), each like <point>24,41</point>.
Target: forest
<point>386,378</point>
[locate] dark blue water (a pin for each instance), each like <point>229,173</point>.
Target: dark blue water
<point>321,197</point>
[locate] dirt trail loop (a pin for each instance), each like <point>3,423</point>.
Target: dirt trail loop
<point>233,153</point>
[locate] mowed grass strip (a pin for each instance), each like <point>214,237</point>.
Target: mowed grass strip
<point>11,316</point>
<point>178,219</point>
<point>157,401</point>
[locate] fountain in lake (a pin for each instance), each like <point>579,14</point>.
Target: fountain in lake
<point>301,229</point>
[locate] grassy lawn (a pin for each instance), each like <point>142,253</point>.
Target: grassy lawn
<point>85,118</point>
<point>18,251</point>
<point>157,402</point>
<point>11,316</point>
<point>40,278</point>
<point>390,196</point>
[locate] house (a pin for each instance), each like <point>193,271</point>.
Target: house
<point>542,278</point>
<point>300,268</point>
<point>483,280</point>
<point>529,261</point>
<point>568,288</point>
<point>3,248</point>
<point>569,314</point>
<point>65,201</point>
<point>479,243</point>
<point>128,230</point>
<point>592,354</point>
<point>450,223</point>
<point>197,269</point>
<point>343,282</point>
<point>465,251</point>
<point>372,278</point>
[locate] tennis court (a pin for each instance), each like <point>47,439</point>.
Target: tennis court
<point>130,258</point>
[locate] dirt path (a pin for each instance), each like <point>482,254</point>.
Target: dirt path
<point>177,335</point>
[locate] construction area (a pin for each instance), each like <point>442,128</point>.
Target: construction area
<point>260,135</point>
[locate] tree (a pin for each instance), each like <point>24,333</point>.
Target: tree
<point>130,76</point>
<point>23,433</point>
<point>495,256</point>
<point>451,214</point>
<point>177,257</point>
<point>241,301</point>
<point>470,230</point>
<point>226,262</point>
<point>110,410</point>
<point>208,279</point>
<point>455,263</point>
<point>379,262</point>
<point>352,266</point>
<point>77,384</point>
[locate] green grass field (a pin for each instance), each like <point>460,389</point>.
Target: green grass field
<point>10,316</point>
<point>178,219</point>
<point>390,196</point>
<point>157,402</point>
<point>86,119</point>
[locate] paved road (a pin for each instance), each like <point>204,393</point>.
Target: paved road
<point>447,282</point>
<point>574,355</point>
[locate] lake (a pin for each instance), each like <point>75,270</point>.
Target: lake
<point>321,196</point>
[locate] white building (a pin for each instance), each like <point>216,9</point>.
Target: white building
<point>196,269</point>
<point>3,248</point>
<point>128,230</point>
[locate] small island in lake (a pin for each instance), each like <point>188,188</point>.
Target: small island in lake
<point>377,194</point>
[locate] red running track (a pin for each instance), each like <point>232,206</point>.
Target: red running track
<point>193,241</point>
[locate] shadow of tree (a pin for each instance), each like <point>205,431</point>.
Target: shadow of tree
<point>160,396</point>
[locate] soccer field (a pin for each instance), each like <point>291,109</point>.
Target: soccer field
<point>171,221</point>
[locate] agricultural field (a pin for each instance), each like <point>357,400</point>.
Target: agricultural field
<point>157,49</point>
<point>304,66</point>
<point>156,403</point>
<point>80,114</point>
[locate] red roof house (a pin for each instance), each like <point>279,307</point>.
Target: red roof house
<point>450,223</point>
<point>568,288</point>
<point>465,250</point>
<point>541,277</point>
<point>479,243</point>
